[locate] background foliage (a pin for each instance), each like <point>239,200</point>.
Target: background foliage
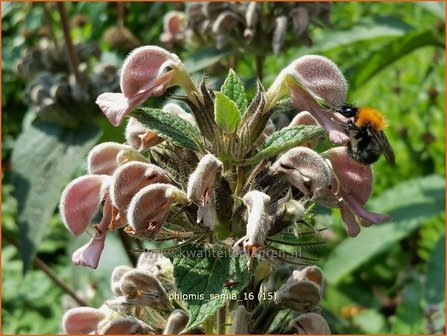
<point>383,281</point>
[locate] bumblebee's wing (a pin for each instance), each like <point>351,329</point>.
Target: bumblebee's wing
<point>385,146</point>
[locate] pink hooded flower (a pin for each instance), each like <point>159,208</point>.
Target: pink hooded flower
<point>310,79</point>
<point>352,188</point>
<point>147,72</point>
<point>90,253</point>
<point>80,202</point>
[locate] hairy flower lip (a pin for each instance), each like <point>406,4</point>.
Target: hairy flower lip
<point>90,253</point>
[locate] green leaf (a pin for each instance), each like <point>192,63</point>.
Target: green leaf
<point>203,58</point>
<point>46,156</point>
<point>285,139</point>
<point>226,113</point>
<point>203,271</point>
<point>409,314</point>
<point>169,126</point>
<point>365,30</point>
<point>379,59</point>
<point>435,281</point>
<point>234,89</point>
<point>410,204</point>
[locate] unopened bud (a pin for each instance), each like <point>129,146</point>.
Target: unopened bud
<point>240,319</point>
<point>303,168</point>
<point>102,159</point>
<point>300,292</point>
<point>176,322</point>
<point>150,206</point>
<point>258,222</point>
<point>141,288</point>
<point>300,20</point>
<point>225,23</point>
<point>310,324</point>
<point>139,137</point>
<point>279,34</point>
<point>117,274</point>
<point>251,19</point>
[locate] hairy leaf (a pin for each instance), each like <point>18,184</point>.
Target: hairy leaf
<point>46,156</point>
<point>203,271</point>
<point>285,139</point>
<point>226,113</point>
<point>409,203</point>
<point>169,126</point>
<point>234,89</point>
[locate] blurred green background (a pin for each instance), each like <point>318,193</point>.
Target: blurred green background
<point>390,279</point>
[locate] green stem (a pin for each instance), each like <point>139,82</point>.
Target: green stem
<point>221,319</point>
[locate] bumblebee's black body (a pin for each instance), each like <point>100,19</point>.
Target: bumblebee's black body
<point>367,143</point>
<point>362,146</point>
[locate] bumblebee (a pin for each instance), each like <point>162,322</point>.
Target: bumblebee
<point>365,128</point>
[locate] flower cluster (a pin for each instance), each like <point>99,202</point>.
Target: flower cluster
<point>140,304</point>
<point>53,93</point>
<point>247,26</point>
<point>218,172</point>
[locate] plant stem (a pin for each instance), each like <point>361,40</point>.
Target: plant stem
<point>260,67</point>
<point>221,319</point>
<point>73,57</point>
<point>127,243</point>
<point>40,264</point>
<point>120,6</point>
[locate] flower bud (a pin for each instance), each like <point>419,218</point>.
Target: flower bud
<point>130,178</point>
<point>279,33</point>
<point>300,20</point>
<point>125,326</point>
<point>174,23</point>
<point>300,292</point>
<point>139,137</point>
<point>310,324</point>
<point>102,159</point>
<point>240,319</point>
<point>258,222</point>
<point>303,168</point>
<point>80,201</point>
<point>176,322</point>
<point>141,288</point>
<point>201,188</point>
<point>157,264</point>
<point>117,274</point>
<point>81,320</point>
<point>251,19</point>
<point>150,206</point>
